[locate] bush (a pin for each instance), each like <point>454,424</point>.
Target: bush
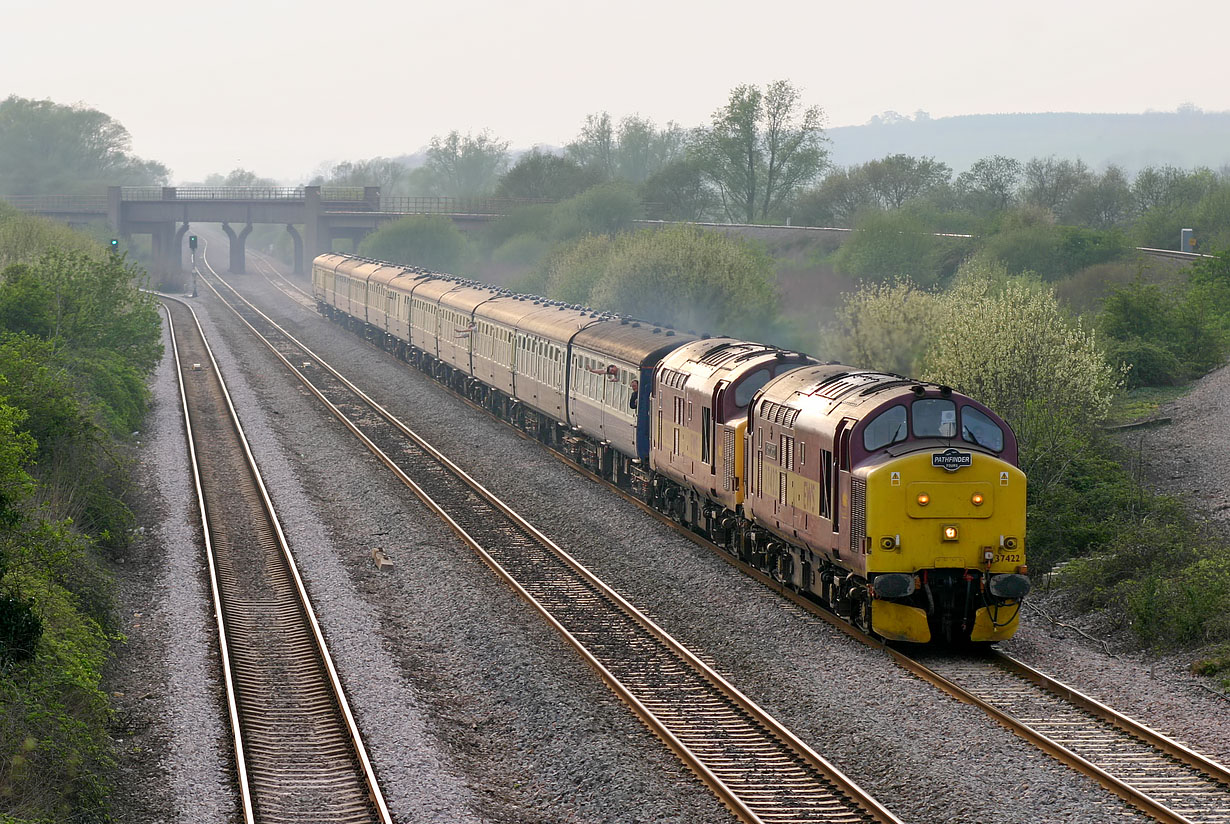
<point>1054,252</point>
<point>575,270</point>
<point>1187,323</point>
<point>683,276</point>
<point>890,245</point>
<point>888,327</point>
<point>430,241</point>
<point>534,221</point>
<point>1008,344</point>
<point>1145,363</point>
<point>520,250</point>
<point>602,210</point>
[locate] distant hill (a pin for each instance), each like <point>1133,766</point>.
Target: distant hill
<point>1186,138</point>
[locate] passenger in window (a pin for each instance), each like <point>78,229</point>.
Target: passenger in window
<point>611,372</point>
<point>635,394</point>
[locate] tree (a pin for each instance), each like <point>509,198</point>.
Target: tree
<point>240,179</point>
<point>466,166</point>
<point>385,172</point>
<point>643,150</point>
<point>540,176</point>
<point>595,148</point>
<point>47,148</point>
<point>679,191</point>
<point>899,178</point>
<point>1104,202</point>
<point>761,148</point>
<point>836,201</point>
<point>1051,183</point>
<point>990,183</point>
<point>1007,343</point>
<point>633,152</point>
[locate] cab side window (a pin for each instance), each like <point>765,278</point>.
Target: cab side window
<point>977,428</point>
<point>886,429</point>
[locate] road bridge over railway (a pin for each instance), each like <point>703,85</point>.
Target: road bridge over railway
<point>325,214</point>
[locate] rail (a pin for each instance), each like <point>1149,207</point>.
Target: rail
<point>298,750</point>
<point>756,767</point>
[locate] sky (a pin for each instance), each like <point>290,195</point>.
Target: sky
<point>280,87</point>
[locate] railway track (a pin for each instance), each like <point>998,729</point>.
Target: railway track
<point>756,767</point>
<point>1162,778</point>
<point>1148,770</point>
<point>298,752</point>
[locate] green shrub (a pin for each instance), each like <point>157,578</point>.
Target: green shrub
<point>602,210</point>
<point>1054,252</point>
<point>520,250</point>
<point>901,244</point>
<point>1146,363</point>
<point>430,241</point>
<point>574,271</point>
<point>684,276</point>
<point>885,326</point>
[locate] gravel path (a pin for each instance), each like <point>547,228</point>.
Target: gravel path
<point>475,710</point>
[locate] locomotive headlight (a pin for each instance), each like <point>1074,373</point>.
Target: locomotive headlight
<point>950,533</point>
<point>923,499</point>
<point>976,499</point>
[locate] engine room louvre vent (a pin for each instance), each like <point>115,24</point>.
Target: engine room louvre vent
<point>848,384</point>
<point>858,514</point>
<point>728,453</point>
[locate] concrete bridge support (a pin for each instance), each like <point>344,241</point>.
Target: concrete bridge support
<point>165,252</point>
<point>179,248</point>
<point>237,244</point>
<point>298,241</point>
<point>312,228</point>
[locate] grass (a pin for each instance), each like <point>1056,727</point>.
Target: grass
<point>1216,663</point>
<point>1141,404</point>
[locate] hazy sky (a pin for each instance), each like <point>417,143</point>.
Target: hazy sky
<point>279,87</point>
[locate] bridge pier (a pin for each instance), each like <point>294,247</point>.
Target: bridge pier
<point>237,244</point>
<point>298,241</point>
<point>179,247</point>
<point>165,253</point>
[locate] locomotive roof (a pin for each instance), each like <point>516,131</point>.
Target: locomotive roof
<point>835,384</point>
<point>712,356</point>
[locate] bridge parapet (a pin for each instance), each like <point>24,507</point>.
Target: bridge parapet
<point>239,193</point>
<point>494,206</point>
<point>61,204</point>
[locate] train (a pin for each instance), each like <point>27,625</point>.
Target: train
<point>895,502</point>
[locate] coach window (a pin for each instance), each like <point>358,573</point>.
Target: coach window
<point>935,418</point>
<point>977,428</point>
<point>887,428</point>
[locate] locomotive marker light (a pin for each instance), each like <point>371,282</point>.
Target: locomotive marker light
<point>976,499</point>
<point>923,499</point>
<point>950,532</point>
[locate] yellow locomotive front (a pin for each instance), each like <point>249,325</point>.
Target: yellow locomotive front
<point>943,511</point>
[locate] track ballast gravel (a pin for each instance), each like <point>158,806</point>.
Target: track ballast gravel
<point>475,710</point>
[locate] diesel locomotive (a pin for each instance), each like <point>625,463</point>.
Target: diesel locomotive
<point>897,503</point>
